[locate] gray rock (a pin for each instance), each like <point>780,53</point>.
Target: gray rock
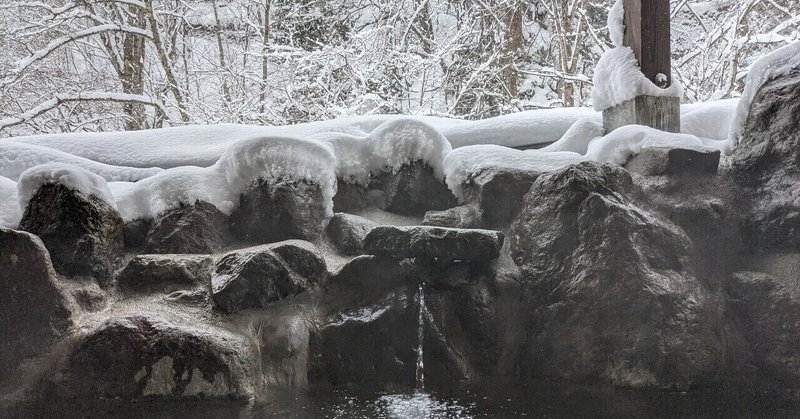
<point>434,242</point>
<point>350,197</point>
<point>657,161</point>
<point>611,292</point>
<point>769,313</point>
<point>34,311</point>
<point>276,210</point>
<point>166,273</point>
<point>82,233</point>
<point>147,356</point>
<point>412,190</point>
<point>135,233</point>
<point>90,298</point>
<point>766,163</point>
<point>464,216</point>
<point>498,193</point>
<point>189,229</point>
<point>366,279</point>
<point>258,276</point>
<point>347,232</point>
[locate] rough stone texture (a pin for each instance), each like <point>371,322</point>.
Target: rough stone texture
<point>148,356</point>
<point>498,194</point>
<point>90,298</point>
<point>612,294</point>
<point>276,210</point>
<point>258,276</point>
<point>412,190</point>
<point>766,162</point>
<point>166,273</point>
<point>464,216</point>
<point>350,197</point>
<point>347,232</point>
<point>82,233</point>
<point>33,308</point>
<point>434,242</point>
<point>135,233</point>
<point>657,161</point>
<point>769,313</point>
<point>189,229</point>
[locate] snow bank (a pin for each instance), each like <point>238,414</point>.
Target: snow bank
<point>775,64</point>
<point>618,78</point>
<point>710,120</point>
<point>16,158</point>
<point>463,163</point>
<point>578,137</point>
<point>618,146</point>
<point>616,23</point>
<point>68,175</point>
<point>10,213</point>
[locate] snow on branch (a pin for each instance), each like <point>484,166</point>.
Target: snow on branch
<point>58,100</point>
<point>57,43</point>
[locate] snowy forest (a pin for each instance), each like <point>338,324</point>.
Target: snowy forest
<point>78,65</point>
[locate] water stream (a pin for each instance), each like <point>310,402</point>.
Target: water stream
<point>420,384</point>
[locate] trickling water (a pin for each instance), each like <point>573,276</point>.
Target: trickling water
<point>420,339</point>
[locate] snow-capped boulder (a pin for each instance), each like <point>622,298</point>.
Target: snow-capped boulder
<point>166,273</point>
<point>258,276</point>
<point>463,216</point>
<point>347,232</point>
<point>445,244</point>
<point>766,162</point>
<point>280,209</point>
<point>656,161</point>
<point>33,308</point>
<point>769,312</point>
<point>151,356</point>
<point>82,232</point>
<point>189,229</point>
<point>412,189</point>
<point>612,293</point>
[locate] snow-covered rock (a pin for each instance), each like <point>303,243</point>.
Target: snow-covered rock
<point>199,228</point>
<point>73,177</point>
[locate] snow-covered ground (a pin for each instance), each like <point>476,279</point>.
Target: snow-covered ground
<point>145,173</point>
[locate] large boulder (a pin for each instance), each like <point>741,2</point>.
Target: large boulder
<point>611,292</point>
<point>34,311</point>
<point>434,242</point>
<point>412,189</point>
<point>769,314</point>
<point>189,229</point>
<point>258,276</point>
<point>275,210</point>
<point>657,161</point>
<point>766,162</point>
<point>498,193</point>
<point>347,232</point>
<point>166,273</point>
<point>149,356</point>
<point>83,234</point>
<point>463,216</point>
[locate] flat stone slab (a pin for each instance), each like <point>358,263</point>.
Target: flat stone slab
<point>435,242</point>
<point>146,272</point>
<point>658,161</point>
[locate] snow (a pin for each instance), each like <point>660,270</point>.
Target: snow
<point>71,176</point>
<point>775,64</point>
<point>217,163</point>
<point>618,78</point>
<point>466,162</point>
<point>616,23</point>
<point>10,212</point>
<point>618,146</point>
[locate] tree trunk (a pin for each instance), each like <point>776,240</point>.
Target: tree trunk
<point>265,57</point>
<point>132,71</point>
<point>165,62</point>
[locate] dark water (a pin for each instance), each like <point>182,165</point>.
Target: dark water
<point>493,400</point>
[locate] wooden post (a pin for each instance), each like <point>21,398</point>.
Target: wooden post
<point>647,32</point>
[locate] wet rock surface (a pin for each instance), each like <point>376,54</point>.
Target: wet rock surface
<point>658,161</point>
<point>412,190</point>
<point>275,210</point>
<point>258,276</point>
<point>766,162</point>
<point>613,295</point>
<point>83,234</point>
<point>498,194</point>
<point>150,356</point>
<point>190,229</point>
<point>464,216</point>
<point>34,310</point>
<point>434,242</point>
<point>166,273</point>
<point>347,232</point>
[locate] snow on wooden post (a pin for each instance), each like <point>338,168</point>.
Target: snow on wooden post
<point>647,33</point>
